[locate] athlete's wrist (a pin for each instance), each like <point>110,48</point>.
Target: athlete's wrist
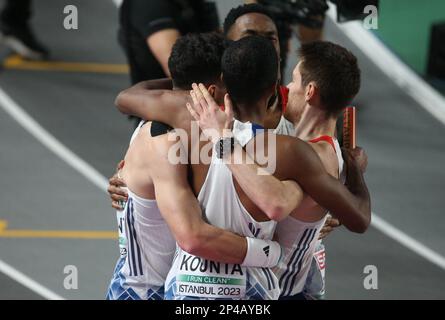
<point>225,146</point>
<point>262,253</point>
<point>221,134</point>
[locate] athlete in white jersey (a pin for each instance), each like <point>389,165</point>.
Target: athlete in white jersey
<point>304,253</point>
<point>120,206</point>
<point>314,115</point>
<point>146,249</point>
<point>315,286</point>
<point>223,208</point>
<point>315,275</point>
<point>121,213</point>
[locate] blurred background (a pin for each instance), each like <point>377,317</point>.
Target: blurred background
<point>61,138</point>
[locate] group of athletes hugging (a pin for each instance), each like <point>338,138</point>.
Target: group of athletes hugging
<point>231,181</point>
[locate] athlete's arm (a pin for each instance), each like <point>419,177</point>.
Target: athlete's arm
<point>352,205</point>
<point>277,199</point>
<point>161,44</point>
<point>182,213</point>
<point>155,101</point>
<point>360,156</point>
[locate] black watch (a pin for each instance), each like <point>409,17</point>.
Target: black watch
<point>224,147</point>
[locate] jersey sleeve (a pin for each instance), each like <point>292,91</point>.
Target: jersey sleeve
<point>151,16</point>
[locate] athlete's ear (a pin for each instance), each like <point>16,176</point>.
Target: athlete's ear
<point>311,90</point>
<point>212,90</point>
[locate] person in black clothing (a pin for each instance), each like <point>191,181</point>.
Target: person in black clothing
<point>16,33</point>
<point>149,28</point>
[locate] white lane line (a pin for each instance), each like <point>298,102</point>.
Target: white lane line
<point>54,145</point>
<point>49,141</point>
<point>409,242</point>
<point>28,282</point>
<point>408,80</point>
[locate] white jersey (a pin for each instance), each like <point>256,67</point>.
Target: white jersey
<point>285,128</point>
<point>147,254</point>
<point>120,215</point>
<point>300,242</point>
<point>194,277</point>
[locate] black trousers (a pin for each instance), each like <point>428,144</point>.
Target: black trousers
<point>16,12</point>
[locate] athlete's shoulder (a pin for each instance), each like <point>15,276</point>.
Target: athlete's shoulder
<point>296,159</point>
<point>292,146</point>
<point>280,144</point>
<point>288,154</point>
<point>327,156</point>
<point>165,153</point>
<point>161,138</point>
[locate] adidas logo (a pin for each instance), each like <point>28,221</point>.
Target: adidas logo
<point>254,230</point>
<point>266,250</point>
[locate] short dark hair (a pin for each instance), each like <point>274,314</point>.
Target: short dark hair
<point>196,58</point>
<point>241,10</point>
<point>334,70</point>
<point>249,67</point>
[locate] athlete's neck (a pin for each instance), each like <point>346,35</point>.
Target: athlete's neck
<point>313,123</point>
<point>255,113</point>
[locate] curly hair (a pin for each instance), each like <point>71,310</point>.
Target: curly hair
<point>196,58</point>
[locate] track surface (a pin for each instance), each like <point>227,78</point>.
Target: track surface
<point>40,191</point>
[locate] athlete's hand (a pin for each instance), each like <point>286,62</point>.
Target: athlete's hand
<point>356,157</point>
<point>117,194</point>
<point>329,226</point>
<point>214,122</point>
<point>361,157</point>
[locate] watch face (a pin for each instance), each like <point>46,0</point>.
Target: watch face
<point>225,147</point>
